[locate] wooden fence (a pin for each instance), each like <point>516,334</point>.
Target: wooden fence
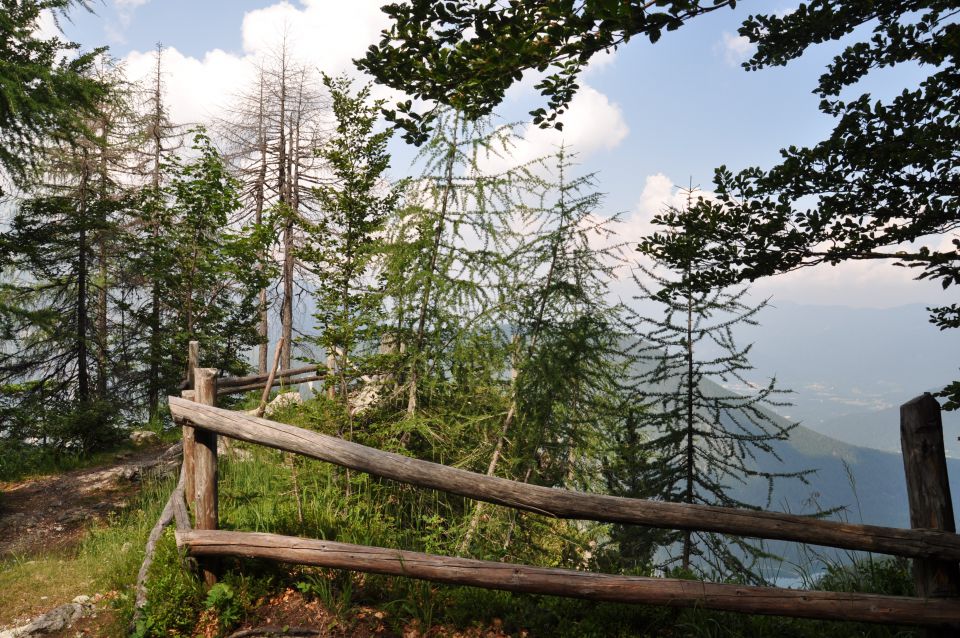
<point>931,542</point>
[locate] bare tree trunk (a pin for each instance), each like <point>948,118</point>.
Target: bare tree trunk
<point>102,337</point>
<point>153,391</point>
<point>688,491</point>
<point>259,195</point>
<point>83,379</point>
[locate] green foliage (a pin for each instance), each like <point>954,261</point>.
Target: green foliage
<point>465,55</point>
<point>343,245</point>
<point>175,594</point>
<point>446,262</point>
<point>891,576</point>
<point>222,600</point>
<point>45,90</point>
<point>197,274</point>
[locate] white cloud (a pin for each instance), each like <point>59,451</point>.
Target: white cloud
<point>324,34</point>
<point>46,27</point>
<point>195,89</point>
<point>853,283</point>
<point>592,123</point>
<point>130,4</point>
<point>735,48</point>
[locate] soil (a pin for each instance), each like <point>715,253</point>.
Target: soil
<point>49,514</point>
<point>291,611</point>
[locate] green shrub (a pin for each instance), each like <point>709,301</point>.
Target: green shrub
<point>174,594</point>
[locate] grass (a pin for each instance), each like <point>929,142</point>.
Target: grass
<point>265,490</point>
<point>106,560</point>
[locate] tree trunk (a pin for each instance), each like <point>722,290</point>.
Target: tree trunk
<point>83,379</point>
<point>688,491</point>
<point>427,288</point>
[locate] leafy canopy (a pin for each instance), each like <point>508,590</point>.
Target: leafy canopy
<point>466,54</point>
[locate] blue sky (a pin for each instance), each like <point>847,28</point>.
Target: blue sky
<point>649,117</point>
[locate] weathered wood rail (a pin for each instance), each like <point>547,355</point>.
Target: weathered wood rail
<point>293,376</point>
<point>559,503</point>
<point>575,584</point>
<point>932,541</point>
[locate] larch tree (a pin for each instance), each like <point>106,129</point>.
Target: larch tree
<point>445,264</point>
<point>564,337</point>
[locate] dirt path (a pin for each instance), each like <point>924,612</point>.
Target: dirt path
<point>48,514</point>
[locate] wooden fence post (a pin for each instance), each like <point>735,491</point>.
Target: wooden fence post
<point>193,362</point>
<point>928,492</point>
<point>189,455</point>
<point>206,463</point>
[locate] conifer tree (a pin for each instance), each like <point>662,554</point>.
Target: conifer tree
<point>565,354</point>
<point>162,138</point>
<point>702,437</point>
<point>448,243</point>
<point>45,92</point>
<point>59,250</point>
<point>343,245</point>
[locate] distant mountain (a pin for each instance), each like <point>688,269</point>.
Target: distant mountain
<point>868,484</point>
<point>880,429</point>
<point>851,368</point>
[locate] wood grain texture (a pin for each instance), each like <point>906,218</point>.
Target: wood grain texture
<point>917,543</point>
<point>586,585</point>
<point>189,452</point>
<point>205,451</point>
<point>928,490</point>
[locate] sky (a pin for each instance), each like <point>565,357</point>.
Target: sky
<point>647,118</point>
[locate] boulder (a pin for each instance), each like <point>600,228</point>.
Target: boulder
<point>144,437</point>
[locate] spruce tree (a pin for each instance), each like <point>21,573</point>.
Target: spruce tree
<point>45,91</point>
<point>60,250</point>
<point>703,438</point>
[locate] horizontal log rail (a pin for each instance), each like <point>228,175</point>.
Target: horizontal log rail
<point>561,582</point>
<point>914,543</point>
<point>289,381</point>
<point>229,382</point>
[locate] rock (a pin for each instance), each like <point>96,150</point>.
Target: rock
<point>282,401</point>
<point>144,437</point>
<point>130,473</point>
<point>56,619</point>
